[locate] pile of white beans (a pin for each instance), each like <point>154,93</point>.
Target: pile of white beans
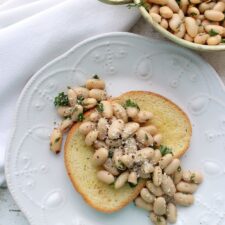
<point>198,21</point>
<point>128,147</point>
<point>80,99</point>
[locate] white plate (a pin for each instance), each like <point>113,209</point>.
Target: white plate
<point>37,179</point>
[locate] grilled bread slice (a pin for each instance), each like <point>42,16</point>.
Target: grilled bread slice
<point>171,122</point>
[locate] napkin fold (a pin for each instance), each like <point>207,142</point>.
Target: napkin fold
<point>32,33</point>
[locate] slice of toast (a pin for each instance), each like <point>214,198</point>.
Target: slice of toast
<point>171,122</point>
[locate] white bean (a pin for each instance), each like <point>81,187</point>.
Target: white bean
<point>140,203</point>
<point>56,140</point>
<point>110,167</point>
<point>181,31</point>
<point>98,94</point>
<point>215,40</point>
<point>218,29</point>
<point>219,6</point>
<point>172,167</point>
<point>159,206</point>
<point>157,139</point>
<point>81,91</point>
<point>191,26</point>
<point>192,177</point>
<point>171,213</point>
<point>186,187</point>
<point>151,129</point>
<point>184,5</point>
<point>130,145</point>
<point>181,14</point>
<point>147,196</point>
<point>128,160</point>
<point>201,38</point>
<point>65,124</point>
<point>143,116</point>
<point>132,178</point>
<point>166,12</point>
<point>145,153</point>
<point>178,175</point>
<point>157,176</point>
<point>158,2</point>
<point>173,5</point>
<point>168,186</point>
<point>120,112</point>
<point>165,160</point>
<point>157,156</point>
<point>188,38</point>
<point>102,128</point>
<point>195,1</point>
<point>95,84</point>
<point>193,11</point>
<point>154,9</point>
<point>107,110</point>
<point>86,127</point>
<point>214,15</point>
<point>91,137</point>
<point>144,137</point>
<point>99,144</point>
<point>100,156</point>
<point>157,191</point>
<point>77,111</point>
<point>146,169</point>
<point>164,24</point>
<point>94,116</point>
<point>132,111</point>
<point>116,129</point>
<point>105,177</point>
<point>157,220</point>
<point>175,22</point>
<point>89,103</point>
<point>130,129</point>
<point>64,111</point>
<point>203,7</point>
<point>72,96</point>
<point>113,143</point>
<point>121,180</point>
<point>183,199</point>
<point>156,17</point>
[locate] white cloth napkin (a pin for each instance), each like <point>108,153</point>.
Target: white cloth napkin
<point>33,33</point>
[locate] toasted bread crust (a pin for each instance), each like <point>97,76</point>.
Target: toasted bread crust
<point>138,188</point>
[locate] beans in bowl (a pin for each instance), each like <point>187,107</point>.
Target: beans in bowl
<point>197,21</point>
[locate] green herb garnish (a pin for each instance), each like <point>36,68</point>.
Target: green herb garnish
<point>130,103</point>
<point>165,150</point>
<point>96,77</point>
<point>193,14</point>
<point>61,100</point>
<point>57,139</point>
<point>132,185</point>
<point>146,137</point>
<point>80,117</point>
<point>80,100</point>
<point>178,2</point>
<point>142,3</point>
<point>100,107</point>
<point>223,40</point>
<point>213,33</point>
<point>192,178</point>
<point>111,152</point>
<point>179,169</point>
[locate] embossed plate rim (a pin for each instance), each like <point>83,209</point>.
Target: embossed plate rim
<point>107,35</point>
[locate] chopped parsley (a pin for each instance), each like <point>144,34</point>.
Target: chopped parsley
<point>61,100</point>
<point>165,150</point>
<point>130,103</point>
<point>193,14</point>
<point>57,139</point>
<point>80,117</point>
<point>192,178</point>
<point>213,33</point>
<point>111,152</point>
<point>146,137</point>
<point>100,107</point>
<point>80,100</point>
<point>142,3</point>
<point>96,77</point>
<point>132,185</point>
<point>223,40</point>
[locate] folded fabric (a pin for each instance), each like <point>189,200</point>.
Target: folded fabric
<point>35,32</point>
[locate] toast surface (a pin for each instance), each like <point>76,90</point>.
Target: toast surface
<point>171,122</point>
